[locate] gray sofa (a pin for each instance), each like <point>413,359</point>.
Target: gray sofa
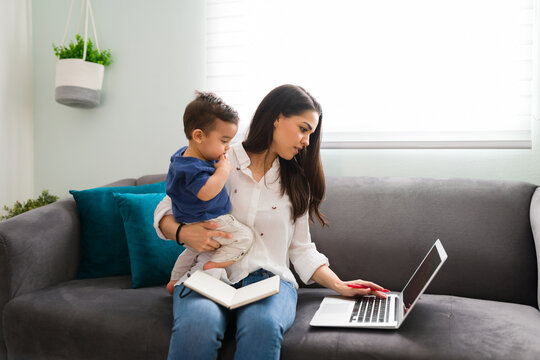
<point>482,305</point>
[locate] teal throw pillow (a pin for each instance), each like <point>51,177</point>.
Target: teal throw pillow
<point>104,249</point>
<point>152,259</point>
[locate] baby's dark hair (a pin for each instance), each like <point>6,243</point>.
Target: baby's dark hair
<point>203,112</point>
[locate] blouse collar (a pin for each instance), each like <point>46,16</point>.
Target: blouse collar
<point>241,155</point>
<point>244,161</point>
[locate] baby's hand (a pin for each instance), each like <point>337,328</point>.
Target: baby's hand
<point>223,163</point>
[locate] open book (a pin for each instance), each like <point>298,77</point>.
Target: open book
<point>227,295</point>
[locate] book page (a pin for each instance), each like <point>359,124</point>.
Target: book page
<point>211,287</point>
<point>256,291</point>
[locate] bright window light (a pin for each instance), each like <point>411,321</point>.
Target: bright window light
<point>394,73</point>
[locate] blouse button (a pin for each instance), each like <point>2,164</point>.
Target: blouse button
<point>274,208</point>
<point>235,191</point>
<point>262,234</point>
<point>237,168</point>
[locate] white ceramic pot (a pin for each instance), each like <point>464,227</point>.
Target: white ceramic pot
<point>78,83</point>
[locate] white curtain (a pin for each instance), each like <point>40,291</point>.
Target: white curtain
<point>16,121</point>
<point>388,73</point>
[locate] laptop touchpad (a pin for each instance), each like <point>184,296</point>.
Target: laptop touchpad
<point>334,308</point>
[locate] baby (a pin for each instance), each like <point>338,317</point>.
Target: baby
<point>196,184</point>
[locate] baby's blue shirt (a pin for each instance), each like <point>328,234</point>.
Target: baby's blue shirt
<point>186,177</point>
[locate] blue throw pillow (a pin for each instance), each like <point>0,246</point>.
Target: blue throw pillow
<point>104,249</point>
<point>152,259</point>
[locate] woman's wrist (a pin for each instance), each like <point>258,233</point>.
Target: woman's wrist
<point>172,230</point>
<point>327,278</point>
<point>340,287</point>
<point>177,236</point>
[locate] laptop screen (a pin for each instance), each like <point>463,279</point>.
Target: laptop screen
<point>421,277</point>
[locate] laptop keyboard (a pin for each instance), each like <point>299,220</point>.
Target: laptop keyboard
<point>371,309</point>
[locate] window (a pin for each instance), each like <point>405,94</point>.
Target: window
<point>389,74</point>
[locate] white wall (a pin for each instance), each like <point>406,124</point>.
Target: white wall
<point>158,63</point>
<point>16,126</point>
<point>158,55</point>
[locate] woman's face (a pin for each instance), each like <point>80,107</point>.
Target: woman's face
<point>291,134</point>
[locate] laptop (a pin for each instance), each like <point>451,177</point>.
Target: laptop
<point>376,313</point>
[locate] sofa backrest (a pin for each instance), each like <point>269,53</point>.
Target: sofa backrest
<point>380,229</point>
<point>150,179</point>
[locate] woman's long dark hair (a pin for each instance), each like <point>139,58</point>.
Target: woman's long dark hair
<point>302,178</point>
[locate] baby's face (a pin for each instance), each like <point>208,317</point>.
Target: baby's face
<point>217,142</point>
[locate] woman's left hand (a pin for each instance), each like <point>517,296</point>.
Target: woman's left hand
<point>327,278</point>
<point>360,288</point>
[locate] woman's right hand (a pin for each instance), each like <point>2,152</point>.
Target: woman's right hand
<point>197,236</point>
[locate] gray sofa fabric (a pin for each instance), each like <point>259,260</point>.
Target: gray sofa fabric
<point>440,327</point>
<point>90,319</point>
<point>535,225</point>
<point>483,225</point>
<point>38,249</point>
<point>483,303</point>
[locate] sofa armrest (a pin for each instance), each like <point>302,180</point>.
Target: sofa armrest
<point>39,248</point>
<point>535,226</point>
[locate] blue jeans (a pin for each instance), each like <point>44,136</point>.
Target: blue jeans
<point>200,324</point>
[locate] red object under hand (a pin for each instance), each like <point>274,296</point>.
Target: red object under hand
<point>365,287</point>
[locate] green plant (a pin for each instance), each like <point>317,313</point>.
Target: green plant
<point>76,50</point>
<point>18,208</point>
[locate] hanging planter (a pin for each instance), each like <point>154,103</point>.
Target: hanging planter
<point>80,66</point>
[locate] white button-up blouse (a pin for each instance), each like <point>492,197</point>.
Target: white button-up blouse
<point>260,205</point>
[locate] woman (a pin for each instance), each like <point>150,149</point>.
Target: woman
<point>276,187</point>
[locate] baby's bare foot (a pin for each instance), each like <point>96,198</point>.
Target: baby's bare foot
<point>170,286</point>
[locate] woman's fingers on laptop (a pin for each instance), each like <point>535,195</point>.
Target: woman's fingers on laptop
<point>351,291</point>
<point>361,287</point>
<point>374,286</point>
<point>376,289</point>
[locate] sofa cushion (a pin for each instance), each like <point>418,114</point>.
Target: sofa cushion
<point>439,327</point>
<point>151,258</point>
<point>106,319</point>
<point>104,250</point>
<point>101,318</point>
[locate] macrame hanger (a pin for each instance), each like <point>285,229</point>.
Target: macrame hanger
<point>68,21</point>
<point>93,24</point>
<point>86,8</point>
<point>89,12</point>
<point>80,17</point>
<point>85,30</point>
